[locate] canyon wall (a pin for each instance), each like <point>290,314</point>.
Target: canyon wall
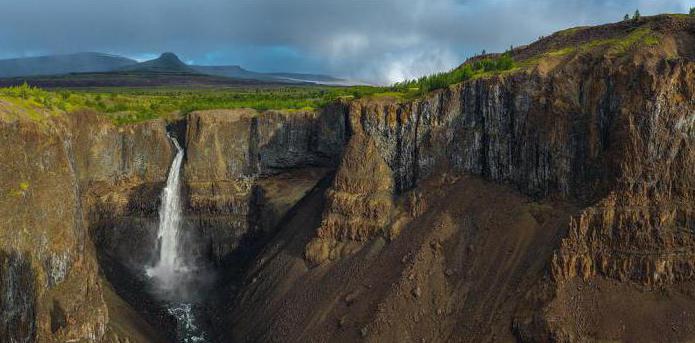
<point>495,202</point>
<point>229,153</point>
<point>70,180</point>
<point>606,133</point>
<point>615,130</point>
<point>55,172</point>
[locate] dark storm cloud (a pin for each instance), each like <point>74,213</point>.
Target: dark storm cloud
<point>379,40</point>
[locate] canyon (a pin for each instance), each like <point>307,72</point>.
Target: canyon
<point>553,202</point>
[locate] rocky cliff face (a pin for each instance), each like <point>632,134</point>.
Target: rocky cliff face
<point>554,199</point>
<point>619,124</point>
<point>358,205</point>
<point>230,151</point>
<point>70,180</point>
<point>49,270</point>
<point>607,127</point>
<point>123,171</point>
<point>63,177</point>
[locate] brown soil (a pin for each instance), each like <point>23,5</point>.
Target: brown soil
<point>125,322</point>
<point>609,310</point>
<point>457,272</point>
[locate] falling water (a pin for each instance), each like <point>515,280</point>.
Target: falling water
<point>171,275</point>
<point>169,266</point>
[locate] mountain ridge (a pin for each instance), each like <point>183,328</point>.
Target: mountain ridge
<point>167,62</point>
<point>62,64</point>
<point>53,66</point>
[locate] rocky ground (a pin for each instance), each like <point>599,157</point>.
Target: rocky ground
<point>552,202</point>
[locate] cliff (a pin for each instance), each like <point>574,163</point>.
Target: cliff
<point>594,130</point>
<point>550,202</point>
<point>81,198</point>
<point>230,151</point>
<point>53,170</point>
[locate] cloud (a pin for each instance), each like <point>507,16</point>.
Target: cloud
<point>372,40</point>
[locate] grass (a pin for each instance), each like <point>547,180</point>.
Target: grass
<point>125,105</point>
<point>642,36</point>
<point>618,46</point>
<point>571,31</point>
<point>130,105</point>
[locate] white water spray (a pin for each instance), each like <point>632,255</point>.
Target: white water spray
<point>170,273</point>
<point>170,266</point>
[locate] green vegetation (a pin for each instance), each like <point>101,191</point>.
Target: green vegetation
<point>637,15</point>
<point>570,31</point>
<point>27,102</point>
<point>642,36</point>
<point>692,11</point>
<point>482,67</point>
<point>125,105</point>
<point>23,187</point>
<point>129,105</point>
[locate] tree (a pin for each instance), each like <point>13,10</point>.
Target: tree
<point>637,15</point>
<point>692,11</point>
<point>626,17</point>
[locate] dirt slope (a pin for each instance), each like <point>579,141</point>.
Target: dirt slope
<point>455,273</point>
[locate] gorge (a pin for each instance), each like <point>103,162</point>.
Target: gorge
<point>550,202</point>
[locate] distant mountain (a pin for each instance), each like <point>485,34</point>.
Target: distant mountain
<point>86,62</point>
<point>166,63</point>
<point>233,71</point>
<point>307,77</point>
<point>94,70</point>
<point>236,71</point>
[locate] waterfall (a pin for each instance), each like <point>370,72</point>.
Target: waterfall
<point>173,277</point>
<point>169,266</point>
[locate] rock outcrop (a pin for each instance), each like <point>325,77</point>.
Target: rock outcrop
<point>48,275</point>
<point>606,125</point>
<point>642,231</point>
<point>122,171</point>
<point>229,151</point>
<point>358,205</point>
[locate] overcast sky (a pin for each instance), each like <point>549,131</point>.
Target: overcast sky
<point>377,41</point>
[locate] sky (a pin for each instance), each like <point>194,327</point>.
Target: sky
<point>375,41</point>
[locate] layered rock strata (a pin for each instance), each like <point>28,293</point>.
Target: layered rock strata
<point>229,151</point>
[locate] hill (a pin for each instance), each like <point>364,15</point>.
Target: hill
<point>166,70</point>
<point>236,71</point>
<point>94,69</point>
<point>62,64</point>
<point>166,63</point>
